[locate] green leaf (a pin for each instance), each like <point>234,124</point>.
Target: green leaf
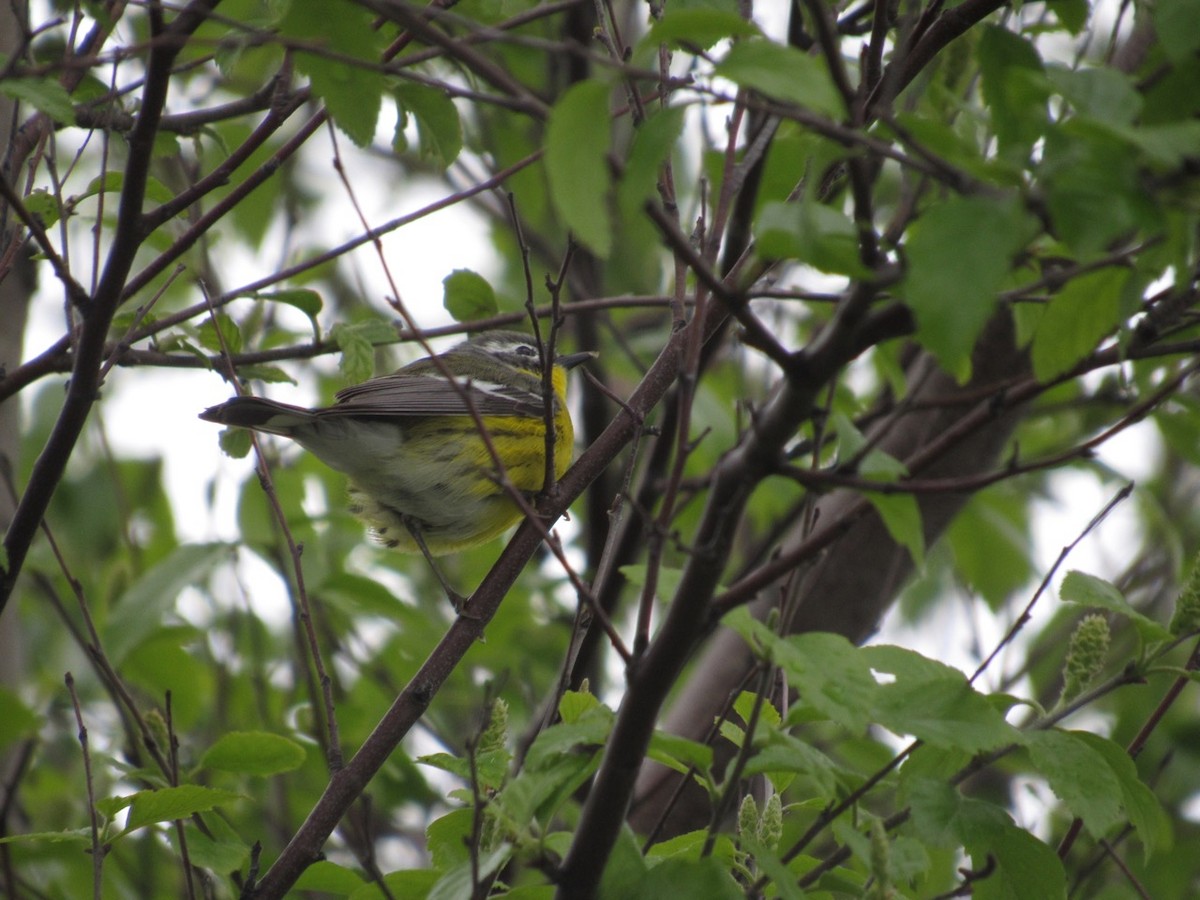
<point>578,137</point>
<point>783,73</point>
<point>827,670</point>
<point>490,767</point>
<point>574,705</point>
<point>1013,87</point>
<point>902,518</point>
<point>652,144</point>
<point>991,541</point>
<point>108,183</point>
<point>461,882</point>
<point>811,232</point>
<point>447,838</point>
<point>783,753</point>
<point>357,342</point>
<point>223,856</point>
<point>338,29</point>
<point>934,702</point>
<point>959,253</point>
<point>1082,314</point>
<point>328,877</point>
<point>439,128</point>
<point>668,579</point>
<point>942,817</point>
<point>229,338</point>
<point>265,373</point>
<point>17,721</point>
<point>698,27</point>
<point>235,442</point>
<point>1142,806</point>
<point>704,879</point>
<point>587,733</point>
<point>306,300</point>
<point>1072,13</point>
<point>1094,188</point>
<point>169,804</point>
<point>44,205</point>
<point>142,608</point>
<point>1079,776</point>
<point>78,836</point>
<point>1104,94</point>
<point>1096,593</point>
<point>1026,868</point>
<point>43,94</point>
<point>411,884</point>
<point>1175,28</point>
<point>467,296</point>
<point>254,753</point>
<point>680,753</point>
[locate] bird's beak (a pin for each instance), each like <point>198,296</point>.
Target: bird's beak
<point>571,360</point>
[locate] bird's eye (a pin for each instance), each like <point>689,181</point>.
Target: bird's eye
<point>526,350</point>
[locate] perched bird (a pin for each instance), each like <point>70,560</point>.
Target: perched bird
<point>421,474</point>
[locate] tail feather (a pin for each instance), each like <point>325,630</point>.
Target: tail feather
<point>259,414</point>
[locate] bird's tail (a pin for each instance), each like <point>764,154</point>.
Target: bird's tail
<point>260,415</point>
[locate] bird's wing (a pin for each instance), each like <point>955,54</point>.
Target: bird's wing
<point>403,394</point>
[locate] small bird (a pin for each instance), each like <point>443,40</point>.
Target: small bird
<point>420,473</point>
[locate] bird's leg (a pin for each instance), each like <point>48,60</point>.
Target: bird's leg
<point>457,600</point>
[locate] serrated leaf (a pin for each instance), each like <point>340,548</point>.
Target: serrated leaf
<point>783,753</point>
<point>578,137</point>
<point>1026,868</point>
<point>1096,593</point>
<point>254,753</point>
<point>1079,776</point>
<point>489,767</point>
<point>353,94</point>
<point>265,373</point>
<point>357,342</point>
<point>935,703</point>
<point>43,94</point>
<point>958,255</point>
<point>1142,806</point>
<point>468,296</point>
<point>783,73</point>
<point>943,817</point>
<point>827,670</point>
<point>171,803</point>
<point>575,704</point>
<point>220,334</point>
<point>1077,318</point>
